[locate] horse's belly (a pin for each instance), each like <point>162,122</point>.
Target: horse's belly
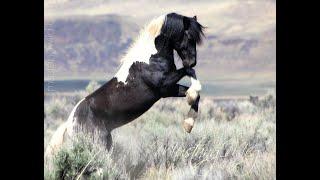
<point>128,113</point>
<point>116,104</point>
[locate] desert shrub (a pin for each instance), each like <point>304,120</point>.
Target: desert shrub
<point>76,97</point>
<point>226,111</point>
<point>246,107</point>
<point>254,99</point>
<point>92,86</point>
<point>206,108</point>
<point>268,101</point>
<point>82,157</point>
<point>155,146</point>
<point>57,108</point>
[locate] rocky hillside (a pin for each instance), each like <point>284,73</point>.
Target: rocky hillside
<point>79,45</point>
<point>86,40</point>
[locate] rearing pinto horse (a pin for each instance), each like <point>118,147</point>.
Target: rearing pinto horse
<point>147,74</point>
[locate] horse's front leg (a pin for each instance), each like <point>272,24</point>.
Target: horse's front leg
<point>175,90</point>
<point>195,88</point>
<point>173,77</point>
<point>178,90</point>
<point>192,115</point>
<point>160,80</point>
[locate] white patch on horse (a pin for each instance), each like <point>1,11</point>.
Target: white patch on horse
<point>72,120</point>
<point>195,84</point>
<point>142,48</point>
<point>193,91</point>
<point>59,135</point>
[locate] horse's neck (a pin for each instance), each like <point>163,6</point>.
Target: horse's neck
<point>166,53</point>
<point>165,61</point>
<point>141,51</point>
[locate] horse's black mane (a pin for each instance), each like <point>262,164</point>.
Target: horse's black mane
<point>174,25</point>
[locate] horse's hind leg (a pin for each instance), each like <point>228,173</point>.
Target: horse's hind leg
<point>109,141</point>
<point>106,139</point>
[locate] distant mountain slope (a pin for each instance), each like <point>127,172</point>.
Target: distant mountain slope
<point>84,45</point>
<point>86,39</point>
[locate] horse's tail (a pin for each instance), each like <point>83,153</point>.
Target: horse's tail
<point>60,135</point>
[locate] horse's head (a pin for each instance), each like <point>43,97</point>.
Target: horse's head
<point>184,34</point>
<point>186,46</point>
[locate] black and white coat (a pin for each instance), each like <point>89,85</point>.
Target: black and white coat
<point>147,74</point>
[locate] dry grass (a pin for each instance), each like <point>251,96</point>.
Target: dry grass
<point>232,139</point>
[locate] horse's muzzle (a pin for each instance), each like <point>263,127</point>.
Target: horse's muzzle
<point>189,63</point>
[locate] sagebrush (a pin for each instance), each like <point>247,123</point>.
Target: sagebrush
<point>232,139</point>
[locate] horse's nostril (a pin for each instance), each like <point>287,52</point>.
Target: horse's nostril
<point>185,64</point>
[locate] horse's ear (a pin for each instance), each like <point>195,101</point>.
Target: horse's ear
<point>186,23</point>
<point>159,42</point>
<point>195,18</point>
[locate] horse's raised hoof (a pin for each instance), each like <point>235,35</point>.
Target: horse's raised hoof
<point>192,96</point>
<point>188,124</point>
